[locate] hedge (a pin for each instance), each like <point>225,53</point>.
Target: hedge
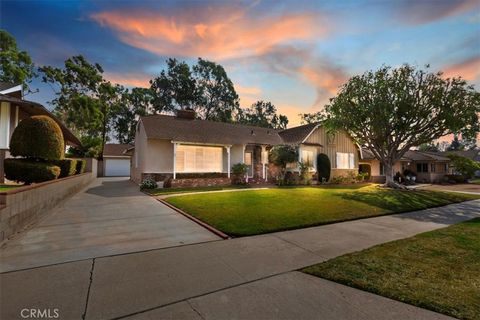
<point>29,171</point>
<point>81,165</point>
<point>68,167</point>
<point>38,137</point>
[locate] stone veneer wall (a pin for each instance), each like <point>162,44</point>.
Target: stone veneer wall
<point>23,206</point>
<point>200,182</point>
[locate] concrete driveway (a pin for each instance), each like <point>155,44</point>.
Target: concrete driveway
<point>111,216</point>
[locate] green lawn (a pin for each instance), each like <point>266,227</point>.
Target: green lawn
<point>6,187</point>
<point>475,181</point>
<point>162,191</point>
<point>261,211</point>
<point>438,270</point>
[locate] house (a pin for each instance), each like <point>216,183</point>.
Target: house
<point>116,160</point>
<point>14,109</point>
<point>180,147</point>
<point>429,167</point>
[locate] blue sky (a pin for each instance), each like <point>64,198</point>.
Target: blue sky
<point>293,53</point>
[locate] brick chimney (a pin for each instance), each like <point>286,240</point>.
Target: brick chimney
<point>186,114</point>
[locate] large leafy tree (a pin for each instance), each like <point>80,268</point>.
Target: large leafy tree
<point>391,110</point>
<point>205,87</point>
<point>312,117</point>
<point>85,101</point>
<point>174,88</point>
<point>216,98</point>
<point>16,66</point>
<point>263,114</point>
<point>135,103</point>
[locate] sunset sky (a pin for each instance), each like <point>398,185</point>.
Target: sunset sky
<point>292,53</point>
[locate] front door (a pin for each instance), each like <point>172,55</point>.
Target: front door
<point>249,163</point>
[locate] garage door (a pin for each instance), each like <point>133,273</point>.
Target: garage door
<point>117,167</point>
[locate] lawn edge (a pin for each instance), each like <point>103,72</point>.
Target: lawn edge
<point>196,220</point>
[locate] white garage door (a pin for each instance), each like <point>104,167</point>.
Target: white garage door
<point>117,167</point>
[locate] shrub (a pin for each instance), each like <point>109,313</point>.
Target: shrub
<point>68,167</point>
<point>323,167</point>
<point>239,171</point>
<point>305,175</point>
<point>456,178</point>
<point>37,137</point>
<point>464,166</point>
<point>365,170</point>
<point>281,156</point>
<point>148,183</point>
<point>81,165</point>
<point>30,171</point>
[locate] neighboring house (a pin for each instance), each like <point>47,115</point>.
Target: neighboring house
<point>116,160</point>
<point>428,166</point>
<point>184,147</point>
<point>14,109</point>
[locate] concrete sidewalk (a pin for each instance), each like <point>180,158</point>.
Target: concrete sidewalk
<point>238,272</point>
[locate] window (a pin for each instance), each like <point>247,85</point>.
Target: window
<point>248,158</point>
<point>307,157</point>
<point>382,169</point>
<point>345,160</point>
<point>199,159</point>
<point>422,167</point>
<point>432,167</point>
<point>4,125</point>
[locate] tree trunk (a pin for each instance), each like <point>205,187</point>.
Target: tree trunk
<point>389,181</point>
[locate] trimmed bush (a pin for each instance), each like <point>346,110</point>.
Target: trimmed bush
<point>29,171</point>
<point>81,165</point>
<point>323,167</point>
<point>239,171</point>
<point>148,183</point>
<point>38,137</point>
<point>68,167</point>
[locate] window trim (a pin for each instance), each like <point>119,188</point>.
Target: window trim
<point>350,160</point>
<point>194,151</point>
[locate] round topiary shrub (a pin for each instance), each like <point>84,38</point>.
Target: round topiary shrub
<point>38,137</point>
<point>30,171</point>
<point>323,167</point>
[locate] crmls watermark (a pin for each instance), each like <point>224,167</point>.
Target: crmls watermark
<point>40,313</point>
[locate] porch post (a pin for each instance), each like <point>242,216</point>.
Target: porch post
<point>228,161</point>
<point>174,161</point>
<point>264,160</point>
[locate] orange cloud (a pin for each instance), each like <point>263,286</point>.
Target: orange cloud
<point>129,80</point>
<point>468,69</point>
<point>214,33</point>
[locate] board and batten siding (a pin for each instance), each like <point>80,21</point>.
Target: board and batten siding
<point>340,142</point>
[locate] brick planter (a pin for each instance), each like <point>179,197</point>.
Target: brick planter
<point>200,182</point>
<point>23,206</point>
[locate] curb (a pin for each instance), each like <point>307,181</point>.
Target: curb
<point>203,224</point>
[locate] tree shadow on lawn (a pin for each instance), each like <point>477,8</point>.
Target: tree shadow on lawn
<point>411,202</point>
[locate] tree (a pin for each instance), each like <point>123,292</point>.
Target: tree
<point>91,148</point>
<point>429,147</point>
<point>281,156</point>
<point>216,98</point>
<point>16,66</point>
<point>135,103</point>
<point>391,110</point>
<point>312,117</point>
<point>465,166</point>
<point>456,145</point>
<point>174,88</point>
<point>263,114</point>
<point>85,101</point>
<point>204,88</point>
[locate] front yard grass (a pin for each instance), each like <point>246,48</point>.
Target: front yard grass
<point>262,211</point>
<point>437,270</point>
